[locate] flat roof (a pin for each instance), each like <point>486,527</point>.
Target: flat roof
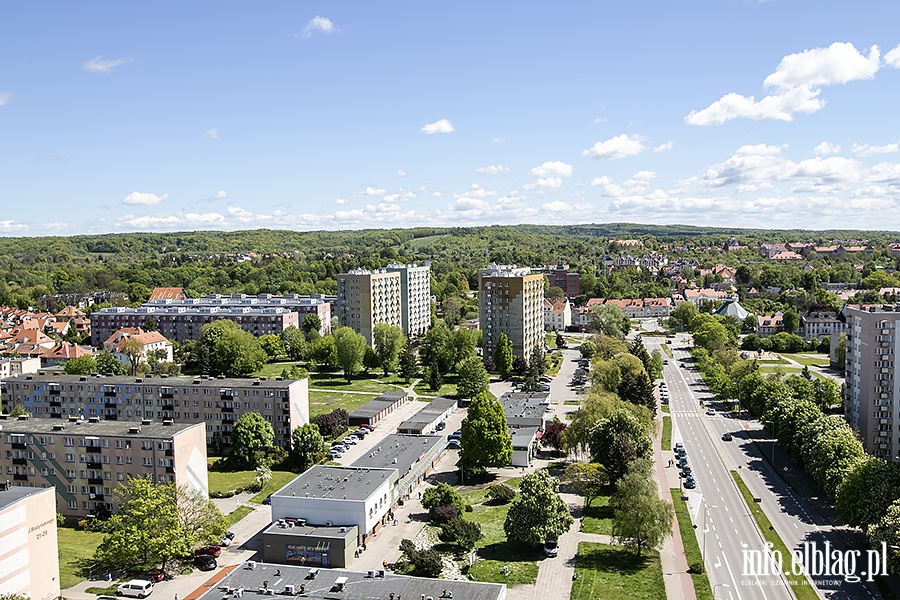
<point>105,428</point>
<point>428,413</point>
<point>350,531</point>
<point>522,436</point>
<point>398,451</point>
<point>17,492</point>
<point>221,382</point>
<point>336,483</point>
<point>525,404</point>
<point>373,407</point>
<point>357,586</point>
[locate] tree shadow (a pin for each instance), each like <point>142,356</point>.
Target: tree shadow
<point>612,560</point>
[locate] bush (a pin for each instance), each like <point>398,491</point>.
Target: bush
<point>444,514</point>
<point>330,424</point>
<point>426,563</point>
<point>696,567</point>
<point>461,532</point>
<point>500,493</point>
<point>442,495</point>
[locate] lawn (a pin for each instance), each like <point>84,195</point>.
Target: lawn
<point>777,368</point>
<point>667,433</point>
<point>691,546</point>
<point>373,382</point>
<point>668,350</point>
<point>818,360</point>
<point>326,401</point>
<point>799,584</point>
<point>76,547</point>
<point>275,369</point>
<point>237,514</point>
<point>226,481</point>
<point>615,573</point>
<point>597,518</point>
<point>279,480</point>
<point>448,389</point>
<point>665,408</point>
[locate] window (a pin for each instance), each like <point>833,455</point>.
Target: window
<point>70,458</point>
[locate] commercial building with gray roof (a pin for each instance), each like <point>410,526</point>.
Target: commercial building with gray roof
<point>375,410</point>
<point>427,419</point>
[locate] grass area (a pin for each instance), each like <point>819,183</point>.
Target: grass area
<point>275,369</point>
<point>225,481</point>
<point>667,433</point>
<point>107,591</point>
<point>615,573</point>
<point>691,546</point>
<point>771,361</point>
<point>788,371</point>
<point>448,389</point>
<point>597,518</point>
<point>817,360</point>
<point>664,408</point>
<point>668,350</point>
<point>799,584</point>
<point>237,514</point>
<point>373,382</point>
<point>573,402</point>
<point>76,547</point>
<point>279,480</point>
<point>324,402</point>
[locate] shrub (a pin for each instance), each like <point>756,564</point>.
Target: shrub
<point>461,532</point>
<point>696,567</point>
<point>444,514</point>
<point>500,493</point>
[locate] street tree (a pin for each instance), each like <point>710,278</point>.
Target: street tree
<point>553,434</point>
<point>503,356</point>
<point>473,378</point>
<point>868,490</point>
<point>618,440</point>
<point>307,446</point>
<point>134,351</point>
<point>887,531</point>
<point>637,389</point>
<point>294,342</point>
<point>485,440</point>
<point>251,437</point>
<point>590,479</point>
<point>350,348</point>
<point>107,364</point>
<point>588,348</point>
<point>82,365</point>
<point>683,315</point>
<point>641,519</point>
<point>609,319</point>
<point>387,340</point>
<point>538,514</point>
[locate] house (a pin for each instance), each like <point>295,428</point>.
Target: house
<point>695,296</point>
<point>150,341</point>
<point>769,325</point>
<point>769,250</point>
<point>168,293</point>
<point>62,352</point>
<point>818,324</point>
<point>786,255</point>
<point>557,314</point>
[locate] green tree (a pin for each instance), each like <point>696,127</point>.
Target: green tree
<point>426,563</point>
<point>485,440</point>
<point>435,380</point>
<point>436,348</point>
<point>83,365</point>
<point>790,320</point>
<point>294,342</point>
<point>350,348</point>
<point>462,345</point>
<point>232,351</point>
<point>617,440</point>
<point>867,491</point>
<point>683,316</point>
<point>107,364</point>
<point>637,389</point>
<point>387,340</point>
<point>324,351</point>
<point>272,345</point>
<point>538,513</point>
<point>500,493</point>
<point>442,495</point>
<point>311,322</point>
<point>307,446</point>
<point>588,348</point>
<point>609,319</point>
<point>465,534</point>
<point>251,437</point>
<point>473,378</point>
<point>408,362</point>
<point>590,479</point>
<point>134,350</point>
<point>641,519</point>
<point>503,356</point>
<point>887,530</point>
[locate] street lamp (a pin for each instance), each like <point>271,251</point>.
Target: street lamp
<point>706,508</point>
<point>725,585</point>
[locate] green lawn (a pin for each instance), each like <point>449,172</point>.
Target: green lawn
<point>668,350</point>
<point>324,402</point>
<point>818,360</point>
<point>279,480</point>
<point>691,547</point>
<point>615,573</point>
<point>237,514</point>
<point>226,481</point>
<point>667,433</point>
<point>76,547</point>
<point>799,584</point>
<point>774,368</point>
<point>448,389</point>
<point>665,408</point>
<point>275,369</point>
<point>373,382</point>
<point>597,518</point>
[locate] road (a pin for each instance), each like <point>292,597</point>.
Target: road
<point>726,531</point>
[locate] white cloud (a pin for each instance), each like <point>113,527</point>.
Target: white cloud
<point>5,97</point>
<point>401,196</point>
<point>400,173</point>
<point>370,191</point>
<point>597,181</point>
<point>318,25</point>
<point>143,199</point>
<point>664,147</point>
<point>340,201</point>
<point>550,168</point>
<point>499,140</point>
<point>826,148</point>
<point>492,170</point>
<point>10,226</point>
<point>841,62</point>
<point>556,206</point>
<point>867,150</point>
<point>616,147</point>
<point>98,64</point>
<point>545,183</point>
<point>220,195</point>
<point>833,169</point>
<point>892,58</point>
<point>780,107</point>
<point>170,222</point>
<point>211,134</point>
<point>441,126</point>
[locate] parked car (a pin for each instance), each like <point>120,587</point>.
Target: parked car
<point>136,588</point>
<point>267,500</point>
<point>726,437</point>
<point>155,575</point>
<point>710,411</point>
<point>367,426</point>
<point>211,550</point>
<point>350,440</point>
<point>454,445</point>
<point>440,426</point>
<point>551,548</point>
<point>361,432</point>
<point>205,562</point>
<point>689,482</point>
<point>544,379</point>
<point>455,435</point>
<point>686,471</point>
<point>227,539</point>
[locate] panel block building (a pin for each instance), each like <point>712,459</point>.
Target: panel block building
<point>366,298</point>
<point>29,558</point>
<point>215,401</point>
<point>511,301</point>
<point>415,300</point>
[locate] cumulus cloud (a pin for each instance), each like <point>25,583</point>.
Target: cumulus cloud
<point>440,126</point>
<point>867,150</point>
<point>796,82</point>
<point>545,183</point>
<point>620,146</point>
<point>400,173</point>
<point>892,58</point>
<point>492,170</point>
<point>318,25</point>
<point>556,206</point>
<point>340,201</point>
<point>177,221</point>
<point>667,147</point>
<point>5,97</point>
<point>98,64</point>
<point>10,226</point>
<point>826,148</point>
<point>550,168</point>
<point>211,134</point>
<point>143,199</point>
<point>370,191</point>
<point>401,196</point>
<point>220,195</point>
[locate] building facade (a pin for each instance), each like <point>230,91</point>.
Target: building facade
<point>84,460</point>
<point>568,282</point>
<point>366,298</point>
<point>415,304</point>
<point>216,402</point>
<point>29,557</point>
<point>511,301</point>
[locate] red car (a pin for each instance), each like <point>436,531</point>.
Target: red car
<point>213,551</point>
<point>155,575</point>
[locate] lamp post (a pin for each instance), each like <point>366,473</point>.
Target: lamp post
<point>718,585</point>
<point>706,508</point>
<point>772,423</point>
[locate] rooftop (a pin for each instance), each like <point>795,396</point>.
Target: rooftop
<point>428,413</point>
<point>356,585</point>
<point>86,427</point>
<point>525,404</point>
<point>220,382</point>
<point>14,493</point>
<point>373,407</point>
<point>349,531</point>
<point>400,452</point>
<point>340,483</point>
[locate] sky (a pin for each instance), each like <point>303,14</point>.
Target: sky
<point>183,116</point>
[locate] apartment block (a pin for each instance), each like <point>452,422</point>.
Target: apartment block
<point>217,402</point>
<point>29,561</point>
<point>872,390</point>
<point>568,282</point>
<point>366,298</point>
<point>86,459</point>
<point>511,301</point>
<point>415,302</point>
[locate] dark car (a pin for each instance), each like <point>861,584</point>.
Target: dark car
<point>212,550</point>
<point>155,575</point>
<point>453,445</point>
<point>686,471</point>
<point>456,435</point>
<point>726,437</point>
<point>205,562</point>
<point>689,482</point>
<point>267,499</point>
<point>441,426</point>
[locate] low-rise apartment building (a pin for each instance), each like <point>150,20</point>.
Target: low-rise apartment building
<point>86,459</point>
<point>29,557</point>
<point>215,401</point>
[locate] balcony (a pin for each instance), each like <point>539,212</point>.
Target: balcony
<point>55,402</point>
<point>19,445</point>
<point>95,481</point>
<point>20,477</point>
<point>168,407</point>
<point>170,469</point>
<point>169,452</point>
<point>112,404</point>
<point>93,448</point>
<point>94,463</point>
<point>229,409</point>
<point>19,461</point>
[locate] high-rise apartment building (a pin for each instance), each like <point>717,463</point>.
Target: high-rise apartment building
<point>415,302</point>
<point>511,301</point>
<point>366,298</point>
<point>872,389</point>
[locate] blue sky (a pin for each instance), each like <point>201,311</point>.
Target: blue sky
<point>171,116</point>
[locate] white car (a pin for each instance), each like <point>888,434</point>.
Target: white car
<point>136,588</point>
<point>551,548</point>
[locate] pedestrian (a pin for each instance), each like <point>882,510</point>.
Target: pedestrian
<point>176,596</point>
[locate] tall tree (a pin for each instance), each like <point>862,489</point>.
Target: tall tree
<point>251,437</point>
<point>350,348</point>
<point>294,342</point>
<point>485,440</point>
<point>588,478</point>
<point>609,319</point>
<point>637,389</point>
<point>538,513</point>
<point>232,351</point>
<point>617,440</point>
<point>408,362</point>
<point>272,345</point>
<point>307,446</point>
<point>503,356</point>
<point>107,364</point>
<point>323,351</point>
<point>641,519</point>
<point>133,350</point>
<point>311,322</point>
<point>82,365</point>
<point>473,378</point>
<point>436,348</point>
<point>387,341</point>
